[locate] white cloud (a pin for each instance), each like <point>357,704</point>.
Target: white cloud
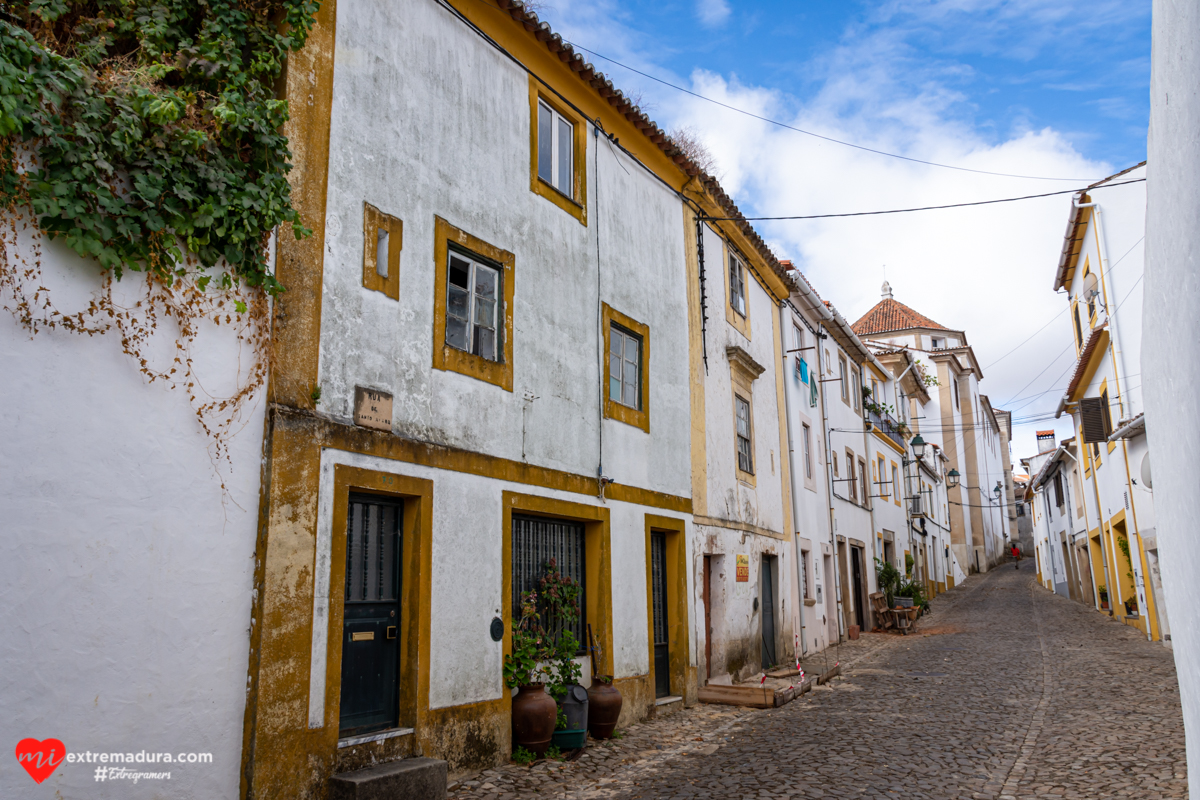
<point>712,12</point>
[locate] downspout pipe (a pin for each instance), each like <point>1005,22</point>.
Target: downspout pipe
<point>801,579</point>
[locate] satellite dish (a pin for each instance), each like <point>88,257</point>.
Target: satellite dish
<point>1091,286</point>
<point>1146,472</point>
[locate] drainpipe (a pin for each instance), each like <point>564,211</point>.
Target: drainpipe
<point>837,581</point>
<point>787,402</point>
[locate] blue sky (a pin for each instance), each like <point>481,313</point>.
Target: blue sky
<point>1049,88</point>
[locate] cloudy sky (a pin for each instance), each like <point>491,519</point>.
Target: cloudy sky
<point>1042,88</point>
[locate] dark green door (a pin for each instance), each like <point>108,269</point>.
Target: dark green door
<point>658,593</point>
<point>767,591</point>
<point>371,626</point>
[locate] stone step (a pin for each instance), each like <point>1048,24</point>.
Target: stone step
<point>406,779</point>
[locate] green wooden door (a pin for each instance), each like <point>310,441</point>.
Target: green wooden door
<point>371,626</point>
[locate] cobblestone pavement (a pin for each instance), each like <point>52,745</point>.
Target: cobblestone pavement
<point>1008,691</point>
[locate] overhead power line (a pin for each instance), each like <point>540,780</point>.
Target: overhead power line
<point>842,142</point>
<point>926,208</point>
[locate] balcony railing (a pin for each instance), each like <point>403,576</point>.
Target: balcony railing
<point>888,427</point>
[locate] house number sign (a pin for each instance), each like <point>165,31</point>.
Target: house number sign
<point>372,409</point>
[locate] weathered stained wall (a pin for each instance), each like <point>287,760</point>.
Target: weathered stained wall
<point>126,569</point>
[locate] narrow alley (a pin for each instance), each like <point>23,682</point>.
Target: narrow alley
<point>1008,691</point>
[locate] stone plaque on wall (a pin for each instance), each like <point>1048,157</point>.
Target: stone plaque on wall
<point>372,409</point>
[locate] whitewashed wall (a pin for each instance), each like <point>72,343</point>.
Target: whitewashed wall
<point>127,573</point>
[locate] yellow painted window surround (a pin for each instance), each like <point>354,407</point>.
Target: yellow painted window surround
<point>573,202</point>
<point>447,240</point>
<point>383,238</point>
<point>637,414</point>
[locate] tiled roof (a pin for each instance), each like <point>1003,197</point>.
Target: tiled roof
<point>891,315</point>
<point>1085,357</point>
<point>1045,433</point>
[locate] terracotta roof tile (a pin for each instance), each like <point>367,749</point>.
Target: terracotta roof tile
<point>1045,433</point>
<point>891,315</point>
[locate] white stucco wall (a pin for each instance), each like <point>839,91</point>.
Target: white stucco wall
<point>1171,328</point>
<point>127,573</point>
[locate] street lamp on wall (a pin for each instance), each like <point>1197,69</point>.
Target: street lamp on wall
<point>952,478</point>
<point>918,447</point>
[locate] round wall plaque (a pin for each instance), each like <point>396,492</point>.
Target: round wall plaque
<point>497,629</point>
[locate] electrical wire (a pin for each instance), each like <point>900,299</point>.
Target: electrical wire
<point>811,133</point>
<point>927,208</point>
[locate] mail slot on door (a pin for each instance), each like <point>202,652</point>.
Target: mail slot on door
<point>362,636</point>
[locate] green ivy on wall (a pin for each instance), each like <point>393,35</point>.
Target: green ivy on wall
<point>148,133</point>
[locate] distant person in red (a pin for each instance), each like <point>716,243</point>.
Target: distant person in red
<point>1016,554</point>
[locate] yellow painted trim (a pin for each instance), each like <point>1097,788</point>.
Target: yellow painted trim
<point>887,441</point>
<point>416,587</point>
<point>375,220</point>
<point>1103,392</point>
<point>597,557</point>
<point>576,204</point>
<point>697,374</point>
<point>785,477</point>
<point>637,417</point>
<point>740,386</point>
<point>445,357</point>
<point>678,622</point>
<point>740,323</point>
<point>1077,339</point>
<point>894,488</point>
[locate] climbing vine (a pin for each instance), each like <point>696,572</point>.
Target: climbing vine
<point>146,135</point>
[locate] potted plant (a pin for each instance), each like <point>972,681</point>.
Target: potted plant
<point>560,611</point>
<point>887,578</point>
<point>534,712</point>
<point>1102,590</point>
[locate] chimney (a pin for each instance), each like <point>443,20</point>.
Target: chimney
<point>1045,440</point>
<point>886,291</point>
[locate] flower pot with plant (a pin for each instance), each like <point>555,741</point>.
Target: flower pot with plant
<point>1102,590</point>
<point>533,711</point>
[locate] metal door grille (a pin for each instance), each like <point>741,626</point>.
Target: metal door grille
<point>536,540</point>
<point>658,568</point>
<point>372,545</point>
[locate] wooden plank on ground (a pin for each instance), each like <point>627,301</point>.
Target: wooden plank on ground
<point>749,696</point>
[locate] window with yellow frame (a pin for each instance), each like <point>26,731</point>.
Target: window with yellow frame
<point>626,369</point>
<point>557,152</point>
<point>473,306</point>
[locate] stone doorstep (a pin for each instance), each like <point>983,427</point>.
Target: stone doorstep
<point>406,779</point>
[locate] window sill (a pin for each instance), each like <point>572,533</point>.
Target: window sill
<point>666,701</point>
<point>374,737</point>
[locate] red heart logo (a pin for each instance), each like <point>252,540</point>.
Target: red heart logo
<point>40,758</point>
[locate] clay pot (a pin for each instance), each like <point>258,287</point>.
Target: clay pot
<point>604,708</point>
<point>534,714</point>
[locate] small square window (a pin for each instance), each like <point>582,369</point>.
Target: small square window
<point>745,452</point>
<point>472,296</point>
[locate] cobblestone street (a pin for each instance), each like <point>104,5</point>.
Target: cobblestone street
<point>1007,691</point>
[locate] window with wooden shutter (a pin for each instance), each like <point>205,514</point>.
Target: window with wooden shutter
<point>1093,418</point>
<point>1058,490</point>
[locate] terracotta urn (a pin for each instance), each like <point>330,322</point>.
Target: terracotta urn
<point>604,708</point>
<point>534,714</point>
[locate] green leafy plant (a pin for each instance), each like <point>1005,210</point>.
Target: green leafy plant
<point>559,610</point>
<point>913,590</point>
<point>138,132</point>
<point>887,579</point>
<point>1102,590</point>
<point>618,734</point>
<point>560,723</point>
<point>553,753</point>
<point>1123,544</point>
<point>524,665</point>
<point>523,757</point>
<point>909,561</point>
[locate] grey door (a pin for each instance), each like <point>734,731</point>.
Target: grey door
<point>766,589</point>
<point>371,623</point>
<point>658,592</point>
